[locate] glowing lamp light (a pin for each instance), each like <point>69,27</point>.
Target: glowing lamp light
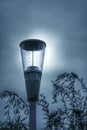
<point>32,51</point>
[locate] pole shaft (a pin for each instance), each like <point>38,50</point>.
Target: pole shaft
<point>32,115</point>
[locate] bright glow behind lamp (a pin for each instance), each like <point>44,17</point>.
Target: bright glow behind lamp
<point>32,51</point>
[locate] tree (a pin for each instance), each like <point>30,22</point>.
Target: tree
<point>72,92</point>
<point>14,108</point>
<point>69,90</point>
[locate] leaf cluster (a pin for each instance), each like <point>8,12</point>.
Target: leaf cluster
<point>14,108</point>
<point>72,92</point>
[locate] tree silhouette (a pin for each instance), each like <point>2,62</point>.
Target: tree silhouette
<point>69,94</point>
<point>72,92</point>
<point>16,111</point>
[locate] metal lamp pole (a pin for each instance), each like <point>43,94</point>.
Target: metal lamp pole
<point>32,52</point>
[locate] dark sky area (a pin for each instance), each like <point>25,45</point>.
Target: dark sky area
<point>62,24</point>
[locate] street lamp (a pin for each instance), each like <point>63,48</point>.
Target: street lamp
<point>32,51</point>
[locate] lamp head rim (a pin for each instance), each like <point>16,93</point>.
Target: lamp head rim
<point>32,44</point>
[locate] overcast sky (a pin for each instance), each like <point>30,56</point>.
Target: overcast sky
<point>62,24</point>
